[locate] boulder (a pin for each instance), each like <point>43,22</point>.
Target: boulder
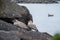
<point>7,26</point>
<point>5,35</point>
<point>15,35</point>
<point>12,10</point>
<point>10,27</point>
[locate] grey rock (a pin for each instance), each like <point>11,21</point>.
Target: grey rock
<point>10,27</point>
<point>15,35</point>
<point>12,10</point>
<point>7,26</point>
<point>10,32</point>
<point>6,35</point>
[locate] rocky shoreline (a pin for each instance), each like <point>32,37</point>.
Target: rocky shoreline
<point>9,11</point>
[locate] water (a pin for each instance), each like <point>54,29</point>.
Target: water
<point>40,13</point>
